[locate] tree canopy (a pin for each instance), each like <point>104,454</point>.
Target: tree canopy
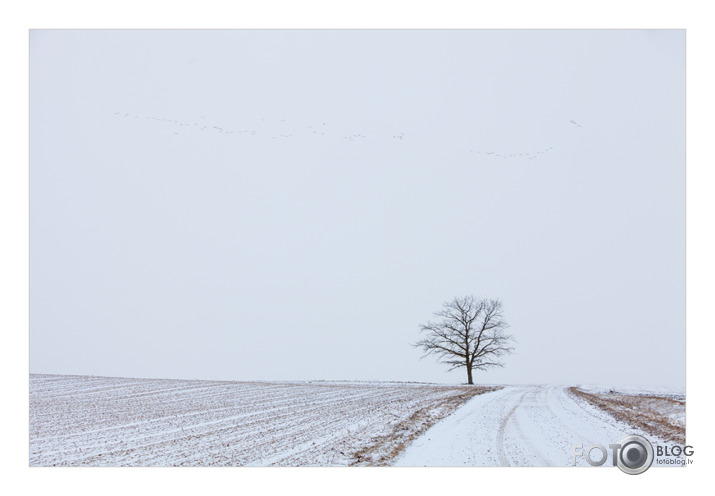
<point>467,332</point>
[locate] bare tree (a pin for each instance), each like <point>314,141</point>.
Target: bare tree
<point>469,332</point>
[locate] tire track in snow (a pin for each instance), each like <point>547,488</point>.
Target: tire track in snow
<point>549,393</point>
<point>525,440</point>
<point>517,426</point>
<point>543,459</point>
<point>500,434</point>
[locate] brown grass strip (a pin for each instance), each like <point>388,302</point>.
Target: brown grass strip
<point>386,448</point>
<point>645,412</point>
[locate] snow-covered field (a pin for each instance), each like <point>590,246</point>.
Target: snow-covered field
<point>82,420</point>
<point>660,412</point>
<point>520,426</point>
<point>674,392</point>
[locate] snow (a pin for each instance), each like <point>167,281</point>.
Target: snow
<point>674,392</point>
<point>518,426</point>
<point>653,398</point>
<point>104,421</point>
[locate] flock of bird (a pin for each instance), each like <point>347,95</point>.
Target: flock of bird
<point>320,129</point>
<point>201,125</point>
<point>523,155</point>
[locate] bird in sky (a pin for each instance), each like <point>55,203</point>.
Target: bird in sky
<point>315,129</point>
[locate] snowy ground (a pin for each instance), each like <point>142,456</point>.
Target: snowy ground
<point>660,413</point>
<point>102,421</point>
<point>663,391</point>
<point>519,426</point>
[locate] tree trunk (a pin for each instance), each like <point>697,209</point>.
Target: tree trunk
<point>469,375</point>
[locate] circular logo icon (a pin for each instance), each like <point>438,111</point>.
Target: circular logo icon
<point>636,454</point>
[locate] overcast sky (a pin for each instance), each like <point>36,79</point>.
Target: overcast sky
<point>287,205</point>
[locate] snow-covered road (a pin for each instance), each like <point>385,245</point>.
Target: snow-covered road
<point>518,426</point>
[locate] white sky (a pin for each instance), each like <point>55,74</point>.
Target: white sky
<point>168,250</point>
